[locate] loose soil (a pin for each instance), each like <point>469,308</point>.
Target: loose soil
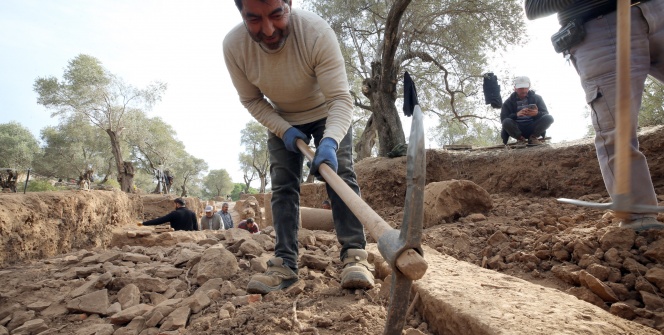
<point>49,241</point>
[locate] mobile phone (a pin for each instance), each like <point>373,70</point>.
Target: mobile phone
<point>532,106</point>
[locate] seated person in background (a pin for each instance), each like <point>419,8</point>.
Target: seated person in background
<point>211,220</point>
<point>326,204</point>
<point>181,218</point>
<point>249,225</point>
<point>524,115</point>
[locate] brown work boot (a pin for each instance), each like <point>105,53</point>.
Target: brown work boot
<point>520,142</point>
<point>277,277</point>
<point>357,272</point>
<point>642,224</point>
<point>533,140</point>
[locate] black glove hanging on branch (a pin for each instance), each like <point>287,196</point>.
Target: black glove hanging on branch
<point>492,90</point>
<point>409,95</point>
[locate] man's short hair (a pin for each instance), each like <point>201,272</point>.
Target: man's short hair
<point>179,201</point>
<point>224,204</point>
<point>250,220</point>
<point>238,3</point>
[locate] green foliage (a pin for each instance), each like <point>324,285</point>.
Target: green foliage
<point>71,148</point>
<point>217,183</point>
<point>36,185</point>
<point>442,44</point>
<point>239,188</point>
<point>89,92</point>
<point>474,132</point>
<point>112,183</point>
<point>255,155</point>
<point>652,106</point>
<point>18,146</point>
<point>187,172</point>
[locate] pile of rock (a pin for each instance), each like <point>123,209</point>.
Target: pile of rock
<point>611,267</point>
<point>155,283</point>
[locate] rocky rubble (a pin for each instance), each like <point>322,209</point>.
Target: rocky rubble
<point>184,282</point>
<point>578,250</point>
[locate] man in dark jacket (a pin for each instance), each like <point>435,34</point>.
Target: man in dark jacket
<point>524,115</point>
<point>181,218</point>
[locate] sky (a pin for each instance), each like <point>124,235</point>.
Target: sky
<point>180,43</point>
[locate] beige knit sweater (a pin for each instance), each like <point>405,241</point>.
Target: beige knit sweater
<point>303,82</point>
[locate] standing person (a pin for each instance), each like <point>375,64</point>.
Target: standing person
<point>181,218</point>
<point>226,216</point>
<point>289,73</point>
<point>249,225</point>
<point>211,220</point>
<point>594,57</point>
<point>524,115</point>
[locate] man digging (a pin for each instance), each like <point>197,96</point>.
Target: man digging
<point>289,73</point>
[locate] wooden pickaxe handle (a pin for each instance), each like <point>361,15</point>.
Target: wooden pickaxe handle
<point>623,105</point>
<point>410,262</point>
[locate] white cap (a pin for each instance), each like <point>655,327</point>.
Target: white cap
<point>521,82</point>
<point>208,209</point>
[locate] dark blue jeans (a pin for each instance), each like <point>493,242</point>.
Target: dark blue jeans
<point>286,174</point>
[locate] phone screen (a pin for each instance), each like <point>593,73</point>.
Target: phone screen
<point>532,106</point>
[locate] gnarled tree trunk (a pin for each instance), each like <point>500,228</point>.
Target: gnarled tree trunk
<point>125,169</point>
<point>366,142</point>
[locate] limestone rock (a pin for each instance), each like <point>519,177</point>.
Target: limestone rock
<point>19,318</point>
<point>196,302</point>
<point>96,329</point>
<point>448,200</point>
<point>599,271</point>
<point>168,272</point>
<point>129,314</point>
<point>93,285</point>
<point>184,256</point>
<point>251,247</point>
<point>315,262</point>
<point>212,284</point>
<point>654,275</point>
<point>656,251</point>
<point>597,286</point>
<point>618,238</point>
<point>651,301</point>
<point>623,310</point>
<point>129,296</point>
<point>144,283</point>
<point>216,262</point>
<point>587,295</point>
<point>177,319</point>
<point>35,326</point>
<point>136,258</point>
<point>633,266</point>
<point>92,303</point>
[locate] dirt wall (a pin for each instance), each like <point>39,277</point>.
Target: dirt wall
<point>568,170</point>
<point>44,224</point>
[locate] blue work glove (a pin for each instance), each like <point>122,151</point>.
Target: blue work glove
<point>290,139</point>
<point>325,153</point>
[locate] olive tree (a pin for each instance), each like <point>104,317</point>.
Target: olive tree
<point>89,90</point>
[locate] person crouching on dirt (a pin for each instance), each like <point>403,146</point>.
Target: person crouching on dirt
<point>181,218</point>
<point>249,225</point>
<point>289,73</point>
<point>524,114</point>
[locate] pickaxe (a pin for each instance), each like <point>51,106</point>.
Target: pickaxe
<point>401,249</point>
<point>623,203</point>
